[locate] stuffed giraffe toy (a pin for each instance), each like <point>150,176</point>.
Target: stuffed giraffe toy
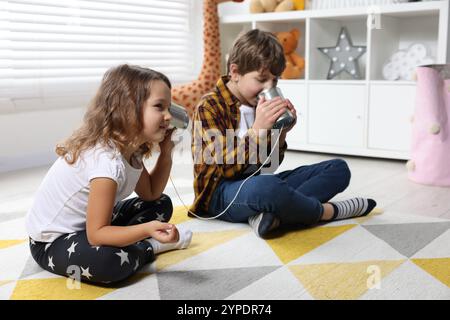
<point>189,94</point>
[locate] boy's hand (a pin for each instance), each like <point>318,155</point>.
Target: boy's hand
<point>294,113</point>
<point>163,232</point>
<point>267,112</point>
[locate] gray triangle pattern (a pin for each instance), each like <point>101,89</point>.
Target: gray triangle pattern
<point>208,284</point>
<point>31,267</point>
<point>408,238</point>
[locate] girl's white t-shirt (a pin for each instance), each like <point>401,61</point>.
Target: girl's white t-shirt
<point>60,203</point>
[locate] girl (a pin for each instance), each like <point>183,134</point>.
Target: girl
<point>79,222</point>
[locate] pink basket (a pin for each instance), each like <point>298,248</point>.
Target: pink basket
<point>430,151</point>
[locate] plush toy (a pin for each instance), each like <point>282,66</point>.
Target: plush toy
<point>299,4</point>
<point>189,94</point>
<point>260,6</point>
<point>295,64</point>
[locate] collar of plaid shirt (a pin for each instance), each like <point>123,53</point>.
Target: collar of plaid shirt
<point>219,110</point>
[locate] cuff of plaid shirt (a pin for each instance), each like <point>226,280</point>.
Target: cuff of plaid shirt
<point>265,136</point>
<point>260,133</point>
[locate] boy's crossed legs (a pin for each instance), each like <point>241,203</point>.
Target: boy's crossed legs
<point>298,196</point>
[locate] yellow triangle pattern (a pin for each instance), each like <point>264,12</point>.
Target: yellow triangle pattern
<point>179,215</point>
<point>295,244</point>
<point>201,241</point>
<point>56,289</point>
<point>9,243</point>
<point>438,268</point>
<point>341,280</point>
<point>375,212</point>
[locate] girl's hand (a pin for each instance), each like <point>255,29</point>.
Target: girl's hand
<point>294,113</point>
<point>163,232</point>
<point>167,144</point>
<point>267,112</point>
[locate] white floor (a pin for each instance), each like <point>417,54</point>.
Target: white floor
<point>383,180</point>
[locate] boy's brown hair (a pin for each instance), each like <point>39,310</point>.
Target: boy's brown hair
<point>257,50</point>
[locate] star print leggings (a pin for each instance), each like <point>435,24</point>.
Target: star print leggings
<point>71,254</point>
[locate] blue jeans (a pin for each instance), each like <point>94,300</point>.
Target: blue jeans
<point>294,196</point>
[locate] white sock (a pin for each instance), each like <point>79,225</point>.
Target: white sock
<point>183,242</point>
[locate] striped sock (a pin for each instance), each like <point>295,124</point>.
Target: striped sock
<point>351,208</point>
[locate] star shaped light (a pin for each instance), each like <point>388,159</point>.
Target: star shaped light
<point>344,56</point>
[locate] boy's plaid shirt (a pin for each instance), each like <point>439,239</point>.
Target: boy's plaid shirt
<point>217,112</point>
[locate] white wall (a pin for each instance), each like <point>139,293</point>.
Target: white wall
<point>30,131</point>
<point>234,8</point>
<point>28,139</point>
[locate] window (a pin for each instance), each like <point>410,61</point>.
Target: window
<point>54,52</point>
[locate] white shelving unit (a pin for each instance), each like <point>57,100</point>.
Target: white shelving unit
<point>367,117</point>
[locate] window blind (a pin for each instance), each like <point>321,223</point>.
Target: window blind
<point>62,48</point>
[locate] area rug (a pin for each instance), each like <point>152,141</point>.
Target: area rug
<point>382,256</point>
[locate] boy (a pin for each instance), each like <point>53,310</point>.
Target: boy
<point>298,196</point>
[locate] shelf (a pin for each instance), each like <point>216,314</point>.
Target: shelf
<point>392,83</point>
<point>370,116</point>
<point>413,9</point>
<point>390,111</point>
<point>338,82</point>
<point>395,10</point>
<point>228,35</point>
<point>277,26</point>
<point>265,17</point>
<point>399,33</point>
<point>293,81</point>
<point>402,25</point>
<point>329,30</point>
<point>403,9</point>
<point>336,115</point>
<point>347,82</point>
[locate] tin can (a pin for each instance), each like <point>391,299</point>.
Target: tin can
<point>180,117</point>
<point>287,118</point>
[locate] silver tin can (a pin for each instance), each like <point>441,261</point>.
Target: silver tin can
<point>180,117</point>
<point>287,118</point>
